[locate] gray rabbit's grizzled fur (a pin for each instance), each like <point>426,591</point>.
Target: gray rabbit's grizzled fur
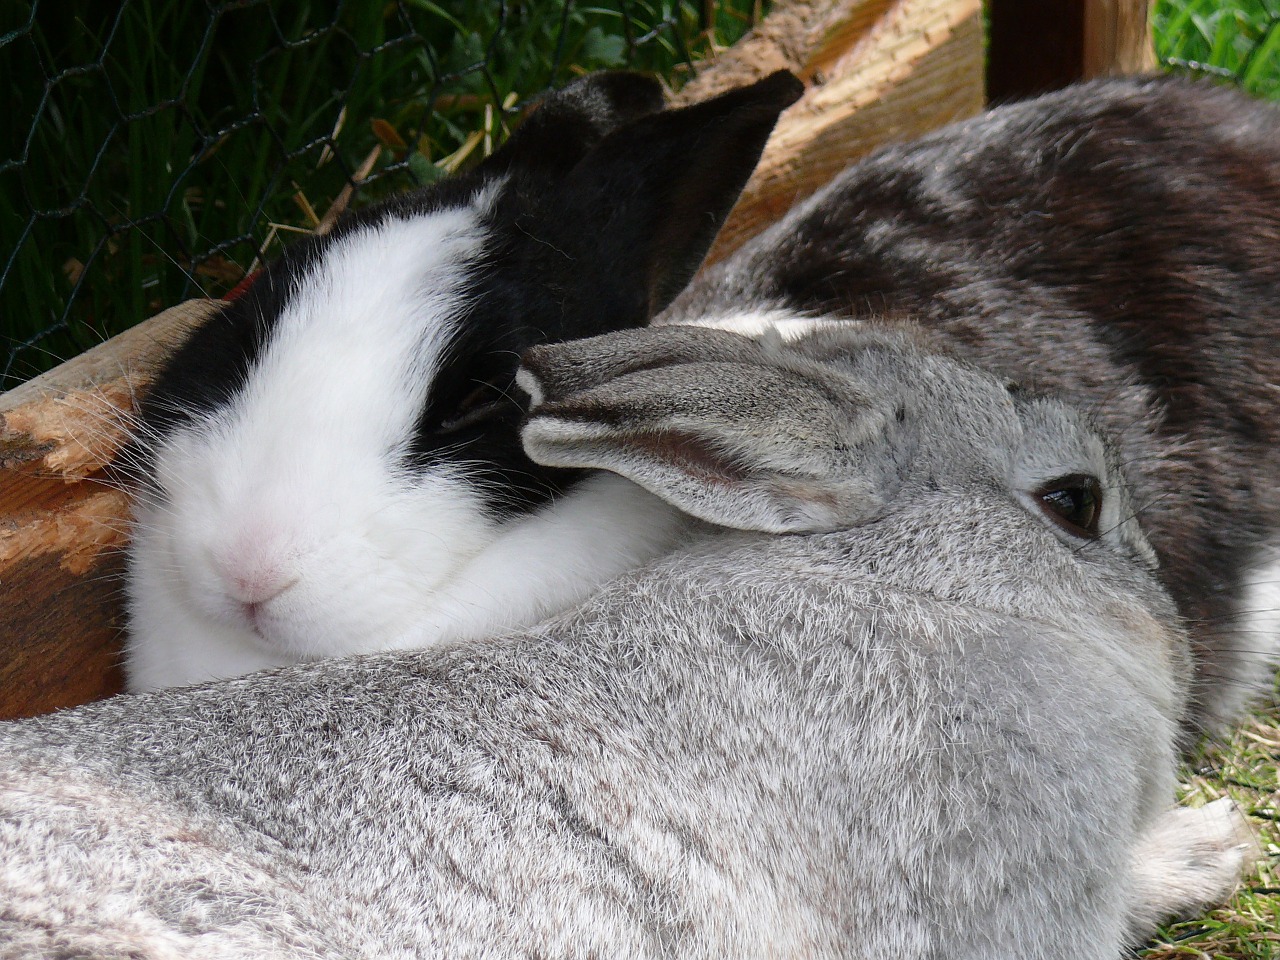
<point>1117,243</point>
<point>930,713</point>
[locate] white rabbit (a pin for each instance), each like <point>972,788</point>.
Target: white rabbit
<point>924,705</point>
<point>332,459</point>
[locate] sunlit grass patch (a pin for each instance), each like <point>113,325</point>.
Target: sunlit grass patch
<point>1247,769</point>
<point>1235,39</point>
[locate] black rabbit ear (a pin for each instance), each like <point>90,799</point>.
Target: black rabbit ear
<point>565,124</point>
<point>655,192</point>
<point>615,238</point>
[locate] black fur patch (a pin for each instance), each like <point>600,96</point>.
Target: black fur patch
<point>603,213</point>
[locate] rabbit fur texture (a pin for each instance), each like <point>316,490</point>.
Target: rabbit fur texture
<point>911,694</point>
<point>331,466</point>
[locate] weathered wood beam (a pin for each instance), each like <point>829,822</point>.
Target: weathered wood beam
<point>879,71</point>
<point>62,525</point>
<point>1117,38</point>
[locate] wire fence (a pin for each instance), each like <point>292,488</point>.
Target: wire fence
<point>154,151</point>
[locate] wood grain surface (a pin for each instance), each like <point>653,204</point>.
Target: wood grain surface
<point>62,526</point>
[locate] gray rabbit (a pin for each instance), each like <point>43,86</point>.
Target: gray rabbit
<point>921,702</point>
<point>1117,243</point>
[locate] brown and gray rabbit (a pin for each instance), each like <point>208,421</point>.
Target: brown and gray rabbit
<point>922,702</point>
<point>1118,244</point>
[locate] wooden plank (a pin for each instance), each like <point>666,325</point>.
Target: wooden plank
<point>62,525</point>
<point>1038,47</point>
<point>879,70</point>
<point>1117,38</point>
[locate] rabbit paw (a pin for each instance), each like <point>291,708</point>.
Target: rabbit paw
<point>1190,859</point>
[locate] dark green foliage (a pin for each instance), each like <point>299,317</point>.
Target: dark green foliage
<point>153,150</point>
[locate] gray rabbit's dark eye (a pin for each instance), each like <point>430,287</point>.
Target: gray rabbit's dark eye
<point>1074,503</point>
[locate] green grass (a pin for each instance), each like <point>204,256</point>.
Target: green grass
<point>165,149</point>
<point>1234,39</point>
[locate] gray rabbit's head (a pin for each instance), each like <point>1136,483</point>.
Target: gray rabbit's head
<point>1112,244</point>
<point>976,490</point>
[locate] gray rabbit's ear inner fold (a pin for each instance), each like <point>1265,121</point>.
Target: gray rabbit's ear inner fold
<point>690,471</point>
<point>550,372</point>
<point>741,445</point>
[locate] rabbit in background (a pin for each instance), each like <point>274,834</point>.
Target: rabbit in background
<point>330,464</point>
<point>1118,244</point>
<point>913,692</point>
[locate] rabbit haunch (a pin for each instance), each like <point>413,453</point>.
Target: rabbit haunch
<point>1118,244</point>
<point>330,465</point>
<point>942,725</point>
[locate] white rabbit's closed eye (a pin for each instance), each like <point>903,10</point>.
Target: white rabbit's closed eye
<point>330,465</point>
<point>479,408</point>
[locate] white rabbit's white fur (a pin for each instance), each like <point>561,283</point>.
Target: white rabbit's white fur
<point>332,497</point>
<point>289,497</point>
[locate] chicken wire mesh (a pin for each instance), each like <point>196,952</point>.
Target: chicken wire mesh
<point>152,151</point>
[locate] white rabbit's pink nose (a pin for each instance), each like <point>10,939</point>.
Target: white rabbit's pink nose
<point>257,588</point>
<point>253,593</point>
<point>251,583</point>
<point>257,566</point>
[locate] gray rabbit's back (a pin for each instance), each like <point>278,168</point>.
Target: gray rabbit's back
<point>644,795</point>
<point>1117,243</point>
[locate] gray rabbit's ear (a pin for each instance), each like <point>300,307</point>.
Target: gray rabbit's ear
<point>552,372</point>
<point>716,424</point>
